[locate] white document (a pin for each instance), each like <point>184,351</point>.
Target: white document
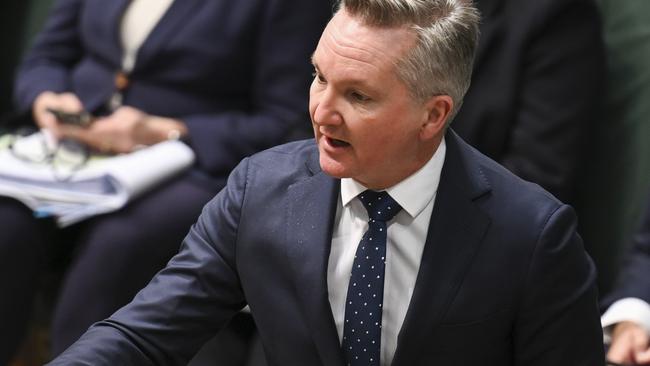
<point>104,184</point>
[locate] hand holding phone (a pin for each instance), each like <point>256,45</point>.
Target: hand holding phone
<point>81,119</point>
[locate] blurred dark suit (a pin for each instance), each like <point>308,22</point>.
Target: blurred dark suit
<point>536,89</point>
<point>235,72</point>
<point>634,278</point>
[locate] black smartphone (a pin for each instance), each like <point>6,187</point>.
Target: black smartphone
<point>82,119</point>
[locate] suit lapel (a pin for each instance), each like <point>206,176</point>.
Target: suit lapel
<point>311,211</point>
<point>112,19</point>
<point>455,232</point>
<point>179,13</point>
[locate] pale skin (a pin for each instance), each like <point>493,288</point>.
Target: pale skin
<point>123,131</point>
<point>367,124</point>
<point>629,345</point>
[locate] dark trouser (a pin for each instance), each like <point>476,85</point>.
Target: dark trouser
<point>115,255</point>
<point>21,255</point>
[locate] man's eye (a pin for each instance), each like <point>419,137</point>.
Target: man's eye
<point>359,97</point>
<point>318,77</point>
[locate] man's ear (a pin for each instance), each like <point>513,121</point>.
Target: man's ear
<point>438,110</point>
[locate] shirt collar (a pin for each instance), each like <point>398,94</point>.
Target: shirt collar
<point>414,192</point>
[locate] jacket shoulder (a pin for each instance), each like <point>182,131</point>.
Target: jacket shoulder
<point>509,198</point>
<point>284,164</point>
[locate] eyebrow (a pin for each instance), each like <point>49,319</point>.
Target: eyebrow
<point>353,82</point>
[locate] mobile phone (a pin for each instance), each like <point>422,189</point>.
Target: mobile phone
<point>82,119</point>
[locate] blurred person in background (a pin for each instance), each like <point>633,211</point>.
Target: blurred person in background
<point>619,213</point>
<point>228,78</point>
<point>626,320</point>
<point>536,88</point>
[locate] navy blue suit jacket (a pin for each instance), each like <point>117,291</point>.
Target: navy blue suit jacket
<point>236,72</point>
<point>504,279</point>
<point>634,279</point>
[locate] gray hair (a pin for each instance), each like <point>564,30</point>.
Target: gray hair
<point>441,61</point>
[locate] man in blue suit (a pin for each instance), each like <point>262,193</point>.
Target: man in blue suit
<point>476,267</point>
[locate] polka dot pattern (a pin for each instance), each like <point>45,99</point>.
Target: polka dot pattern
<point>362,329</point>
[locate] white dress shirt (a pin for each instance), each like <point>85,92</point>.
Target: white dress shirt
<point>627,309</point>
<point>406,236</point>
<point>138,21</point>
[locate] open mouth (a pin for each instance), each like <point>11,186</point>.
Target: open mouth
<point>337,143</point>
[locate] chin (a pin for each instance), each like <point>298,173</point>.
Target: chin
<point>333,168</point>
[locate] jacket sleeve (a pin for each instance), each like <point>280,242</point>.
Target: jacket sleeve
<point>559,322</point>
<point>56,50</point>
<point>184,305</point>
<point>634,277</point>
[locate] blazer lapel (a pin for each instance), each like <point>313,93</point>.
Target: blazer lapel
<point>311,211</point>
<point>179,13</point>
<point>113,11</point>
<point>455,232</point>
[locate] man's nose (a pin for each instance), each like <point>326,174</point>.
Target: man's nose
<point>327,111</point>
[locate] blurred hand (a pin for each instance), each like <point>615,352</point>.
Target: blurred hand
<point>629,345</point>
<point>67,102</point>
<point>124,131</point>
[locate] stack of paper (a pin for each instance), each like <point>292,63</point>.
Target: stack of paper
<point>103,185</point>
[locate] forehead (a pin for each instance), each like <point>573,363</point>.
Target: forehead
<point>347,43</point>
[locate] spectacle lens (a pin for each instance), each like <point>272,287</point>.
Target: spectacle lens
<point>65,157</point>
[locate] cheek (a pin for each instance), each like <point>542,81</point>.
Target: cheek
<point>312,109</point>
<point>383,137</point>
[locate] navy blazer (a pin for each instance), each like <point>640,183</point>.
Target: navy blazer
<point>236,72</point>
<point>504,279</point>
<point>634,279</point>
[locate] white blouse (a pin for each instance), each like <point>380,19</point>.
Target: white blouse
<point>140,17</point>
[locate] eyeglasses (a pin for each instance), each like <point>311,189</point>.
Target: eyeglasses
<point>65,157</point>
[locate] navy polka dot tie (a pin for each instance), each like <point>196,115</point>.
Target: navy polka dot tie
<point>363,305</point>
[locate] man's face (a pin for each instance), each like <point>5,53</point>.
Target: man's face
<point>366,124</point>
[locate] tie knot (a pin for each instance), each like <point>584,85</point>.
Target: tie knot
<point>380,205</point>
